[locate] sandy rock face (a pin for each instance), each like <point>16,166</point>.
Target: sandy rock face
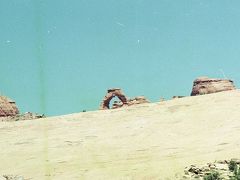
<point>205,85</point>
<point>7,107</point>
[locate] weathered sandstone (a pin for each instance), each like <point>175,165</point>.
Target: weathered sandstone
<point>7,107</point>
<point>111,93</point>
<point>117,92</point>
<point>130,102</point>
<point>205,85</point>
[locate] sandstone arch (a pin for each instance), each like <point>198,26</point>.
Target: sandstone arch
<point>111,93</point>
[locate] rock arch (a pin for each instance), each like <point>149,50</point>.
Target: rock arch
<point>111,93</point>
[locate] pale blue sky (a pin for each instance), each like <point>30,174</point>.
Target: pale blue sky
<point>59,57</point>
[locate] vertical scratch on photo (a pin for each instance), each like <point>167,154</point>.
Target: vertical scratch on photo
<point>42,85</point>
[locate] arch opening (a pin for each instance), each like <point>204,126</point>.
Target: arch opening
<point>112,93</point>
<point>115,102</point>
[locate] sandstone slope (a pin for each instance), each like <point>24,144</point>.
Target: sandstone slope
<point>146,141</point>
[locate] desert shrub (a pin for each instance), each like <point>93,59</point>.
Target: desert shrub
<point>214,175</point>
<point>232,165</point>
<point>236,174</point>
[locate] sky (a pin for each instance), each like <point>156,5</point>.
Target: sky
<point>60,57</point>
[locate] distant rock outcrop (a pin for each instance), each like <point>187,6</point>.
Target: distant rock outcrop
<point>130,102</point>
<point>21,117</point>
<point>177,97</point>
<point>9,111</point>
<point>111,93</point>
<point>7,107</point>
<point>205,85</point>
<point>138,100</point>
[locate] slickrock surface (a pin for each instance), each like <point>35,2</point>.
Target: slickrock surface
<point>145,141</point>
<point>205,85</point>
<point>7,107</point>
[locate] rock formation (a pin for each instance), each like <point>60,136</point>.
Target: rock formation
<point>138,100</point>
<point>177,97</point>
<point>201,172</point>
<point>9,111</point>
<point>11,177</point>
<point>205,85</point>
<point>111,93</point>
<point>21,117</point>
<point>130,102</point>
<point>7,107</point>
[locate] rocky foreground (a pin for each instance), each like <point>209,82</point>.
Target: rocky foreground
<point>221,169</point>
<point>22,117</point>
<point>146,141</point>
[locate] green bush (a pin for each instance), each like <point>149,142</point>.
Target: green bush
<point>236,174</point>
<point>214,175</point>
<point>232,165</point>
